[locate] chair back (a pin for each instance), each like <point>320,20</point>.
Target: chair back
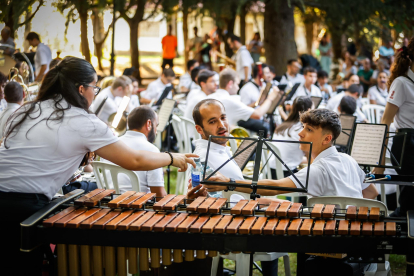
<point>373,112</point>
<point>106,175</point>
<point>343,201</point>
<point>364,101</point>
<point>179,132</point>
<point>190,132</point>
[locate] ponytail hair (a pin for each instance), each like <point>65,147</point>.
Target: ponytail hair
<point>402,62</point>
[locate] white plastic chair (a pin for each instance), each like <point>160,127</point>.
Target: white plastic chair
<point>373,112</point>
<point>190,132</point>
<point>181,143</point>
<point>364,101</point>
<point>101,169</point>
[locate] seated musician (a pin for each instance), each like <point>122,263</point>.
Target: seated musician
<point>292,75</point>
<point>269,74</point>
<point>250,92</point>
<point>331,173</point>
<point>142,125</point>
<point>45,140</point>
<point>122,86</point>
<point>14,95</point>
<point>186,83</point>
<point>155,88</point>
<point>347,106</point>
<point>308,88</point>
<point>355,91</point>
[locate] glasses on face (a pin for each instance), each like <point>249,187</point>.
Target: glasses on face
<point>96,89</point>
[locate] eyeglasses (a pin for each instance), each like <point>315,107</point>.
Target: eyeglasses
<point>96,89</point>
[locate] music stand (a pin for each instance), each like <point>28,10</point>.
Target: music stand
<point>282,87</point>
<point>344,138</point>
<point>164,94</point>
<point>263,94</point>
<point>243,158</point>
<point>292,91</point>
<point>259,142</point>
<point>316,101</point>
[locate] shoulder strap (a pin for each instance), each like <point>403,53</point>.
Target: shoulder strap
<point>409,78</point>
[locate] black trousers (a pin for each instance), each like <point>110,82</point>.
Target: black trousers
<point>255,125</point>
<point>15,208</point>
<point>168,61</point>
<point>407,192</point>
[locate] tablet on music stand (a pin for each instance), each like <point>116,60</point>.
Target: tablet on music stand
<point>243,158</point>
<point>164,114</point>
<point>293,91</point>
<point>368,143</point>
<point>347,123</point>
<point>164,94</point>
<point>316,101</point>
<point>280,98</point>
<point>340,90</point>
<point>263,94</point>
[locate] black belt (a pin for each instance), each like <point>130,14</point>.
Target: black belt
<point>23,195</point>
<point>408,130</point>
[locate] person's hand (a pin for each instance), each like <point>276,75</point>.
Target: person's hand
<point>195,192</point>
<point>181,160</point>
<point>218,177</point>
<point>273,95</point>
<point>377,170</point>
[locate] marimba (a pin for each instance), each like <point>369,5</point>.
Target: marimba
<point>95,235</point>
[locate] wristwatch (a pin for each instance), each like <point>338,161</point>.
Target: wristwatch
<point>231,187</point>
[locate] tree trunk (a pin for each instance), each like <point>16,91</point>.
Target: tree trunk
<point>9,22</point>
<point>27,29</point>
<point>185,32</point>
<point>133,34</point>
<point>279,36</point>
<point>309,35</point>
<point>84,35</point>
<point>336,39</point>
<point>230,30</point>
<point>98,35</point>
<point>243,24</point>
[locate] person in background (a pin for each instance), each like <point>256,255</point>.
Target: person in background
<point>365,74</point>
<point>325,48</point>
<point>347,106</point>
<point>250,92</point>
<point>186,84</point>
<point>292,75</point>
<point>323,85</point>
<point>14,95</point>
<point>134,102</point>
<point>205,48</point>
<point>194,77</point>
<point>355,91</point>
<point>386,52</point>
<point>169,48</point>
<point>3,82</point>
<point>7,39</point>
<point>269,74</point>
<point>378,93</point>
<point>289,130</point>
<point>43,55</point>
<point>348,65</point>
<point>308,88</point>
<point>155,88</point>
<point>244,60</point>
<point>194,45</point>
<point>255,47</point>
<point>380,68</point>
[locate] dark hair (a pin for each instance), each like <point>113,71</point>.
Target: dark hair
<point>168,72</point>
<point>139,116</point>
<point>272,69</point>
<point>300,104</point>
<point>326,119</point>
<point>290,61</point>
<point>255,71</point>
<point>194,73</point>
<point>204,75</point>
<point>348,105</point>
<point>54,62</point>
<point>191,63</point>
<point>32,35</point>
<point>402,62</point>
<point>309,70</point>
<point>13,92</point>
<point>3,78</point>
<point>322,74</point>
<point>257,33</point>
<point>234,38</point>
<point>198,119</point>
<point>60,83</point>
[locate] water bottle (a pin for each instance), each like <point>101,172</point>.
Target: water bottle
<point>196,173</point>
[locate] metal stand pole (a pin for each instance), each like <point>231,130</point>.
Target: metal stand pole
<point>113,44</point>
<point>168,149</point>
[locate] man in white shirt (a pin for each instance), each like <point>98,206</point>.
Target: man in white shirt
<point>142,125</point>
<point>43,55</point>
<point>6,39</point>
<point>269,74</point>
<point>14,95</point>
<point>330,174</point>
<point>323,85</point>
<point>250,92</point>
<point>186,83</point>
<point>354,90</point>
<point>157,87</point>
<point>244,60</point>
<point>292,75</point>
<point>308,88</point>
<point>194,78</point>
<point>3,81</point>
<point>378,93</point>
<point>122,86</point>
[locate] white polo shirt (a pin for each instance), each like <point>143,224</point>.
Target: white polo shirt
<point>290,153</point>
<point>303,91</point>
<point>42,156</point>
<point>155,89</point>
<point>3,104</point>
<point>4,116</point>
<point>333,174</point>
<point>108,108</point>
<point>43,56</point>
<point>334,102</point>
<point>402,95</point>
<point>186,81</point>
<point>286,79</point>
<point>235,109</point>
<point>154,178</point>
<point>249,93</point>
<point>243,59</point>
<point>377,94</point>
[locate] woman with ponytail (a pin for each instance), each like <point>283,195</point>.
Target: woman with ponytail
<point>400,110</point>
<point>45,141</point>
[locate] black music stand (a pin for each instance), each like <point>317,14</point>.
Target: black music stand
<point>292,91</point>
<point>164,94</point>
<point>344,138</point>
<point>269,114</point>
<point>316,101</point>
<point>259,142</point>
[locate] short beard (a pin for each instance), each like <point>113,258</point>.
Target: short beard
<point>151,135</point>
<point>220,141</point>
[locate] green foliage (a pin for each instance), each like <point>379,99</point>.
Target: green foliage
<point>12,10</point>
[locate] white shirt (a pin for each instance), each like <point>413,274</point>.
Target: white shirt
<point>4,116</point>
<point>249,93</point>
<point>402,95</point>
<point>154,178</point>
<point>196,97</point>
<point>290,153</point>
<point>377,94</point>
<point>334,102</point>
<point>187,82</point>
<point>286,79</point>
<point>43,159</point>
<point>155,89</point>
<point>243,59</point>
<point>43,56</point>
<point>303,91</point>
<point>333,174</point>
<point>108,108</point>
<point>3,104</point>
<point>235,109</point>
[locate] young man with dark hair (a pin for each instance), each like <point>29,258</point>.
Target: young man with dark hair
<point>244,60</point>
<point>269,74</point>
<point>347,105</point>
<point>186,82</point>
<point>323,85</point>
<point>292,75</point>
<point>157,87</point>
<point>331,173</point>
<point>308,88</point>
<point>250,92</point>
<point>14,95</point>
<point>43,55</point>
